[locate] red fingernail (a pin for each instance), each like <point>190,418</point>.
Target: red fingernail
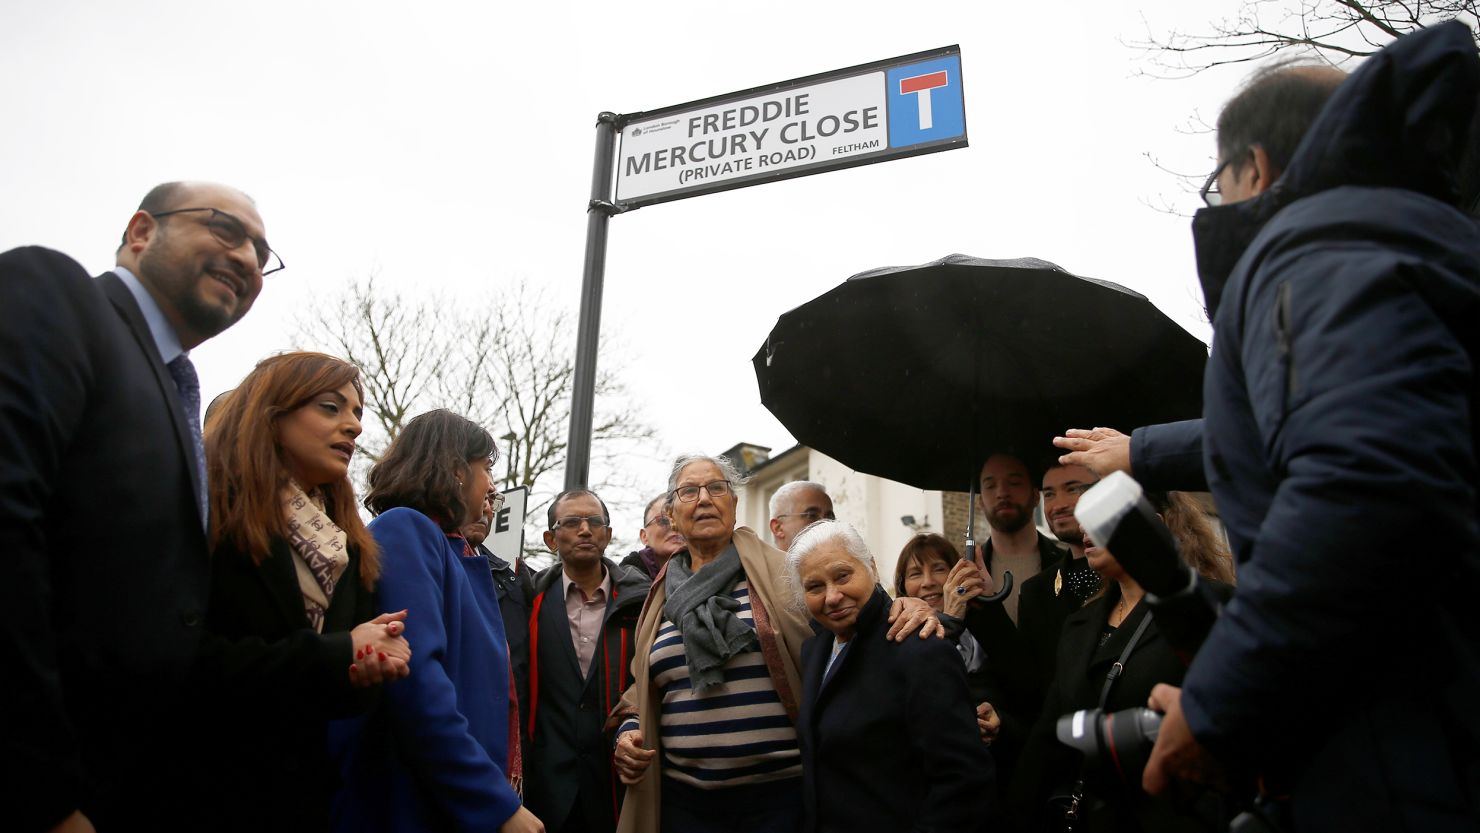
<point>382,655</point>
<point>354,669</point>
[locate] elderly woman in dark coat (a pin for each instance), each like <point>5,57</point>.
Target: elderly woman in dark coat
<point>889,735</point>
<point>707,739</point>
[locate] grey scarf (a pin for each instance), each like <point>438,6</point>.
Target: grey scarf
<point>703,610</point>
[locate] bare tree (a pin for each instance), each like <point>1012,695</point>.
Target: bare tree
<point>1336,31</point>
<point>509,367</point>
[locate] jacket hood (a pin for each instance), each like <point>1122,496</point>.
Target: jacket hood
<point>1401,120</point>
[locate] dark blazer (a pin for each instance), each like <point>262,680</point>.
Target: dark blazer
<point>514,584</point>
<point>1048,767</point>
<point>268,684</point>
<point>106,569</point>
<point>569,761</point>
<point>889,738</point>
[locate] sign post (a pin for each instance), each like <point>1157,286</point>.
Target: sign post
<point>891,109</point>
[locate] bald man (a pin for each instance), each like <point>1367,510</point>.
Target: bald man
<point>102,505</point>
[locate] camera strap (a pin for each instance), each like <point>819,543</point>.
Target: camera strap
<point>1076,792</point>
<point>1119,667</point>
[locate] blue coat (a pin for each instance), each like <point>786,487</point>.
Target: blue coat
<point>1340,445</point>
<point>432,757</point>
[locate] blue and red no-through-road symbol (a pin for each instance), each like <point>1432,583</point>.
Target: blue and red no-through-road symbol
<point>925,102</point>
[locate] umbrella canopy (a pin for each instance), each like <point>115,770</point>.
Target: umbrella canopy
<point>917,373</point>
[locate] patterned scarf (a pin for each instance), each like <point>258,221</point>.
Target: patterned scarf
<point>321,547</point>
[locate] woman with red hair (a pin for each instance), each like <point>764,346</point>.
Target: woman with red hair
<point>292,636</point>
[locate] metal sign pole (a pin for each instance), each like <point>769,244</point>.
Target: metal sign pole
<point>583,391</point>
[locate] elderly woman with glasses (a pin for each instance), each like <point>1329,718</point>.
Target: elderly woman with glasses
<point>888,732</point>
<point>708,737</point>
<point>442,751</point>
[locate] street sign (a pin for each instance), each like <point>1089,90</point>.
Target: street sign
<point>506,539</point>
<point>875,112</point>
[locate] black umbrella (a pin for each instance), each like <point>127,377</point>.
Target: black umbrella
<point>917,373</point>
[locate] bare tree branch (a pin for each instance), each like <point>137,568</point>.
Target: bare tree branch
<point>511,369</point>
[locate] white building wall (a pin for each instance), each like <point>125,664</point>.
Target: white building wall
<point>871,504</point>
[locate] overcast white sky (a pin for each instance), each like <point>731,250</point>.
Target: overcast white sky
<point>449,146</point>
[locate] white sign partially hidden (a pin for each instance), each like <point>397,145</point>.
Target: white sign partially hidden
<point>506,539</point>
<point>901,107</point>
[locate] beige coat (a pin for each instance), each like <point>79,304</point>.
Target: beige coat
<point>780,627</point>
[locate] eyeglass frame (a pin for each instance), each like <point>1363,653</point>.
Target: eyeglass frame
<point>729,489</point>
<point>1210,187</point>
<point>259,244</point>
<point>596,522</point>
<point>661,520</point>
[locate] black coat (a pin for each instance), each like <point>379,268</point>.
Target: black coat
<point>1340,442</point>
<point>1048,767</point>
<point>514,584</point>
<point>267,686</point>
<point>105,554</point>
<point>568,764</point>
<point>889,738</point>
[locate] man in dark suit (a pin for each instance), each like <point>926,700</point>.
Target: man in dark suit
<point>584,610</point>
<point>100,432</point>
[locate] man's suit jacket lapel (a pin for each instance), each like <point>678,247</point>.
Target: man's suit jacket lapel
<point>128,310</point>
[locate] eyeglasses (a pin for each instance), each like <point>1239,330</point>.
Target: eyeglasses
<point>660,520</point>
<point>1209,192</point>
<point>231,233</point>
<point>574,522</point>
<point>811,516</point>
<point>689,494</point>
<point>496,503</point>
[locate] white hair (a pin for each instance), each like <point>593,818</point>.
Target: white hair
<point>726,469</point>
<point>815,535</point>
<point>790,490</point>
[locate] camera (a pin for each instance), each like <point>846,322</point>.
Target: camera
<point>1120,741</point>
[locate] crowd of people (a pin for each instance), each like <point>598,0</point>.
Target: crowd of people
<point>204,634</point>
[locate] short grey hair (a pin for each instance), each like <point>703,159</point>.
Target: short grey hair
<point>720,461</point>
<point>790,490</point>
<point>815,535</point>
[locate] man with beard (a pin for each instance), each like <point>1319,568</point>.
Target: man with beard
<point>1049,597</point>
<point>100,430</point>
<point>659,540</point>
<point>1008,498</point>
<point>581,621</point>
<point>1022,656</point>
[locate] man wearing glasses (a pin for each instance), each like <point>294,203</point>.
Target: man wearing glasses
<point>659,540</point>
<point>796,506</point>
<point>585,607</point>
<point>1340,445</point>
<point>100,431</point>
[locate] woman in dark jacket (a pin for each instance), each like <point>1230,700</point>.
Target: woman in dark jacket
<point>1116,627</point>
<point>292,637</point>
<point>889,739</point>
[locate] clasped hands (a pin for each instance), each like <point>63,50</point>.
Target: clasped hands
<point>382,654</point>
